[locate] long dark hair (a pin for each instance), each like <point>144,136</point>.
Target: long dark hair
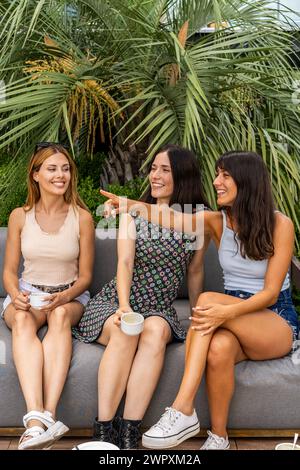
<point>186,178</point>
<point>253,208</point>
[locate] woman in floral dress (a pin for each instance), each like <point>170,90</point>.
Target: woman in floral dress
<point>152,262</point>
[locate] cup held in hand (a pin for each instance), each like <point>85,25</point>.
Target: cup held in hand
<point>36,299</point>
<point>132,323</point>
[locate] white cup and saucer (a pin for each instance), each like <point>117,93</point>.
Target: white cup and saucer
<point>132,323</point>
<point>96,445</point>
<point>289,445</point>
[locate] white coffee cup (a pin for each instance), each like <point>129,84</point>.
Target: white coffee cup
<point>132,323</point>
<point>36,299</point>
<point>287,446</point>
<point>96,445</point>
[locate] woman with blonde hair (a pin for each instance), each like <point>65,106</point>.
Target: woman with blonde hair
<point>54,233</point>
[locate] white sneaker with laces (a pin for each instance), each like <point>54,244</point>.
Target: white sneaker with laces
<point>173,428</point>
<point>215,442</point>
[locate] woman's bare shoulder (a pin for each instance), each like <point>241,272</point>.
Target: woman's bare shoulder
<point>212,219</point>
<point>85,216</point>
<point>283,222</point>
<point>17,216</point>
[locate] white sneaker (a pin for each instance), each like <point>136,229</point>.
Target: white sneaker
<point>214,442</point>
<point>173,428</point>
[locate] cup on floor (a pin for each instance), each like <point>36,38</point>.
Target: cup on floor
<point>96,445</point>
<point>289,445</point>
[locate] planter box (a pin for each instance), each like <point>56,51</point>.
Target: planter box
<point>296,272</point>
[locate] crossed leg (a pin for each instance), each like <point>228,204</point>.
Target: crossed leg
<point>257,336</point>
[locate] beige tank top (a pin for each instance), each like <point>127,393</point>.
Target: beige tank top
<point>50,259</point>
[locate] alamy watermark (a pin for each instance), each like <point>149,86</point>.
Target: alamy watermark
<point>296,354</point>
<point>2,92</point>
<point>296,93</point>
<point>2,353</point>
<point>165,222</point>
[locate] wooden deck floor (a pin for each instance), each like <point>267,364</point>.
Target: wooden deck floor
<point>67,443</point>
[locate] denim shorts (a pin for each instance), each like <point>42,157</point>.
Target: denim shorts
<point>284,307</point>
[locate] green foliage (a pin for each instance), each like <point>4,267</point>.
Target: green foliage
<point>131,190</point>
<point>296,299</point>
<point>89,191</point>
<point>16,196</point>
<point>90,166</point>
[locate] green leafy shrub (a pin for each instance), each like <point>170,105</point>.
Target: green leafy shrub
<point>90,166</point>
<point>296,299</point>
<point>89,192</point>
<point>16,197</point>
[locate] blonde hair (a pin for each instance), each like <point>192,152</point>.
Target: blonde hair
<point>71,196</point>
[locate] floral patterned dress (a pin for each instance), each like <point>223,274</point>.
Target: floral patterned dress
<point>161,259</point>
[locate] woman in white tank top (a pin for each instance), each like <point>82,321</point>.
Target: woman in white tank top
<point>255,318</point>
<point>54,233</point>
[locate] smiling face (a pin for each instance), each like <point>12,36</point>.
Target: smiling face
<point>161,179</point>
<point>54,175</point>
<point>226,188</point>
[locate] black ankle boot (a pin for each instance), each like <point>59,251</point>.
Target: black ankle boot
<point>129,434</point>
<point>104,431</point>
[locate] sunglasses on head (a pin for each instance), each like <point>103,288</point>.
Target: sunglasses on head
<point>44,145</point>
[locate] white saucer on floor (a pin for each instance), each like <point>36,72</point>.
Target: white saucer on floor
<point>96,445</point>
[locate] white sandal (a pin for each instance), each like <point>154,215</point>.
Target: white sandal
<point>39,437</point>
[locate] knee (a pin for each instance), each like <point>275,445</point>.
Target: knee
<point>206,298</point>
<point>155,337</point>
<point>22,322</point>
<point>58,318</point>
<point>122,340</point>
<point>220,351</point>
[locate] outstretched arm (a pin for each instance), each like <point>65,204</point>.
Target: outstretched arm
<point>158,214</point>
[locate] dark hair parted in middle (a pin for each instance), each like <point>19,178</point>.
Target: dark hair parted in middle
<point>186,178</point>
<point>253,209</point>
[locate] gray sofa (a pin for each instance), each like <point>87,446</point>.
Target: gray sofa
<point>266,400</point>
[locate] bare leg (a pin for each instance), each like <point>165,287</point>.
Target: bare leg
<point>262,335</point>
<point>114,368</point>
<point>146,367</point>
<point>194,367</point>
<point>28,355</point>
<point>257,336</point>
<point>224,352</point>
<point>57,348</point>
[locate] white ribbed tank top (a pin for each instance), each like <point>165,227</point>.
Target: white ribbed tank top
<point>50,259</point>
